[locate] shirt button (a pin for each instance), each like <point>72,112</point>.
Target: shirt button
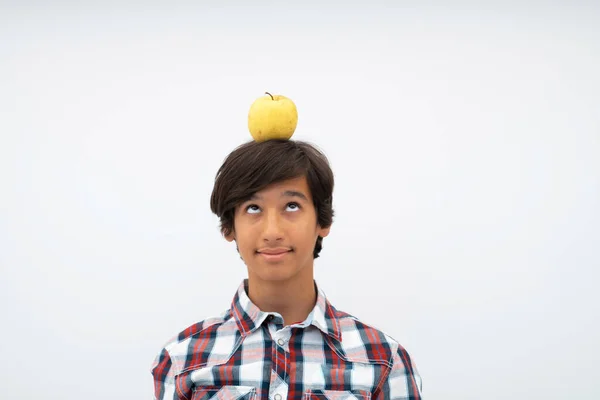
<point>278,396</point>
<point>280,342</point>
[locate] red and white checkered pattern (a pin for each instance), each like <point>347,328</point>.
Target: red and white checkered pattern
<point>248,354</point>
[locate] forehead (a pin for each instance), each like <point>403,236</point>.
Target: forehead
<point>299,184</point>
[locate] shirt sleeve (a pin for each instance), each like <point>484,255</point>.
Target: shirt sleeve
<point>403,381</point>
<point>164,381</point>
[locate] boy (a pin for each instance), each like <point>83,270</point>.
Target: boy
<point>281,338</point>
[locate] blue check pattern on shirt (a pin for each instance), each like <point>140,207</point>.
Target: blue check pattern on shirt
<point>249,354</point>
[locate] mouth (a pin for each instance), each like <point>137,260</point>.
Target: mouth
<point>274,254</point>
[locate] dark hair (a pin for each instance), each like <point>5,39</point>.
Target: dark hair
<point>255,165</point>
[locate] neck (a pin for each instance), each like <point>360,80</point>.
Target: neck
<point>294,299</point>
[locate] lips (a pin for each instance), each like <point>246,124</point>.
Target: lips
<point>274,251</point>
<point>274,255</point>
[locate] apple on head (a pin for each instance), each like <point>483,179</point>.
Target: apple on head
<point>272,117</point>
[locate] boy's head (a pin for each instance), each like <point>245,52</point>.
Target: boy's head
<point>256,166</point>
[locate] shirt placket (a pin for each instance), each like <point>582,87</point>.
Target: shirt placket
<point>279,385</point>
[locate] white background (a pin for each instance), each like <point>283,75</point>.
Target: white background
<point>465,142</point>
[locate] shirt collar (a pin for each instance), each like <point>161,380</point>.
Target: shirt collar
<point>249,317</point>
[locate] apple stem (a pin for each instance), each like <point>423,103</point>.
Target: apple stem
<point>270,95</point>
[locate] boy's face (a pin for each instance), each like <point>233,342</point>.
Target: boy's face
<point>276,231</point>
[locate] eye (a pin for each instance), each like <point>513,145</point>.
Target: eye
<point>252,209</point>
<point>293,207</point>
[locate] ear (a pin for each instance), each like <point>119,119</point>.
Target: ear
<point>323,232</point>
<point>230,237</point>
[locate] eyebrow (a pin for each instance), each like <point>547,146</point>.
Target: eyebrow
<point>287,193</point>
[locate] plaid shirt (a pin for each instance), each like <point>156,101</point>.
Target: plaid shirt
<point>249,354</point>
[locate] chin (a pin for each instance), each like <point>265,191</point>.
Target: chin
<point>274,272</point>
<point>276,275</point>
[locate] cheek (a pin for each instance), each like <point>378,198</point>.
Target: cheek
<point>305,234</point>
<point>242,238</point>
<point>246,239</point>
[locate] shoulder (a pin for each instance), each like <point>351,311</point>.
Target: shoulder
<point>365,343</point>
<point>361,338</point>
<point>200,334</point>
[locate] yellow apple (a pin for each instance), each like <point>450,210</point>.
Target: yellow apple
<point>272,117</point>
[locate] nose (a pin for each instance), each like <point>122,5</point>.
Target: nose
<point>272,229</point>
